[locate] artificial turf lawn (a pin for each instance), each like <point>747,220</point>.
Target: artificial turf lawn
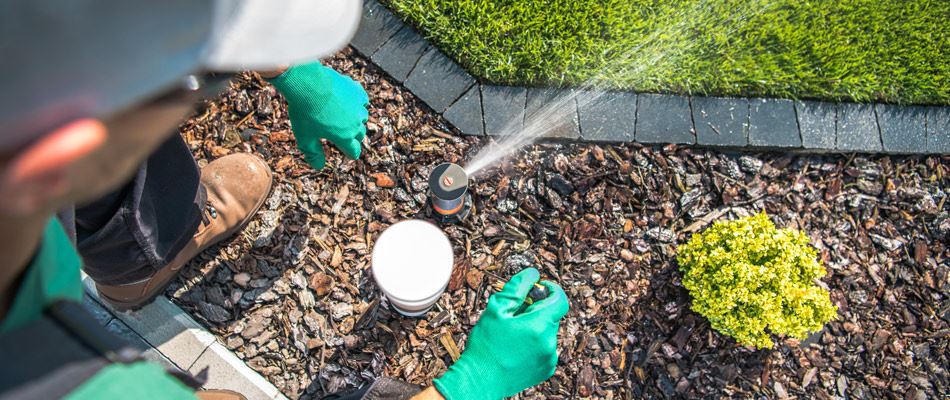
<point>864,50</point>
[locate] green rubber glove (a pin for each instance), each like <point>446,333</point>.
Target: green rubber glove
<point>508,352</point>
<point>323,104</point>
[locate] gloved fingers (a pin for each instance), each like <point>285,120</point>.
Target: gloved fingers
<point>350,146</point>
<point>511,297</point>
<point>358,91</point>
<point>312,151</point>
<point>553,307</point>
<point>362,132</point>
<point>363,96</point>
<point>349,136</point>
<point>349,85</point>
<point>550,354</point>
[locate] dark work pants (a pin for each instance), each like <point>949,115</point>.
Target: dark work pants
<point>129,234</point>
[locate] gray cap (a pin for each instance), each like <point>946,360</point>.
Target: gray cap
<point>261,34</point>
<point>94,58</point>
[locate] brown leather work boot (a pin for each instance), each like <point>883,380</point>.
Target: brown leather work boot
<point>237,186</point>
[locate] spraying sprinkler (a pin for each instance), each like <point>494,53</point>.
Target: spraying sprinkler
<point>448,193</point>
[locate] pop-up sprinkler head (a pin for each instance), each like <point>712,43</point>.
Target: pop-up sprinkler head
<point>448,193</point>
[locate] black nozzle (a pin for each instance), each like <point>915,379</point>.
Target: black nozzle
<point>537,293</point>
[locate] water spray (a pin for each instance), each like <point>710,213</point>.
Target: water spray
<point>448,193</point>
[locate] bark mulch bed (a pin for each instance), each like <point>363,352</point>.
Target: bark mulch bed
<point>292,294</point>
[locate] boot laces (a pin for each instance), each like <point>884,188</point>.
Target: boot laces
<point>209,214</point>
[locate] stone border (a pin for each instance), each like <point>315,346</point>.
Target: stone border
<point>477,108</point>
<point>169,336</point>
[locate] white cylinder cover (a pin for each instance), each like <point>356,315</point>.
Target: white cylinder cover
<point>412,262</point>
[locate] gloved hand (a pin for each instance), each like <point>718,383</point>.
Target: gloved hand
<point>324,104</point>
<point>507,351</point>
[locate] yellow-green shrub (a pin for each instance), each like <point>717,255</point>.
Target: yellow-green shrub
<point>751,279</point>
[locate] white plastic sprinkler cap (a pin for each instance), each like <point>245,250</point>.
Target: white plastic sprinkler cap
<point>412,262</point>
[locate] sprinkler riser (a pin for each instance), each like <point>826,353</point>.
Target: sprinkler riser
<point>449,200</point>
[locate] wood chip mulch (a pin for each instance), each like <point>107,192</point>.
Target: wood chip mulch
<point>293,297</point>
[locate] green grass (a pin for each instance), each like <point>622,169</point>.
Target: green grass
<point>864,50</point>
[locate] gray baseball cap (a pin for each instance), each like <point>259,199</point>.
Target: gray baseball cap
<point>95,58</point>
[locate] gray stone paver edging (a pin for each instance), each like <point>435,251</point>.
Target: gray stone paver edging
<point>721,121</point>
<point>663,118</point>
<point>438,79</point>
<point>605,118</point>
<point>857,128</point>
<point>502,106</point>
<point>476,108</point>
<point>772,123</point>
<point>556,107</point>
<point>398,56</point>
<point>467,112</point>
<point>903,129</point>
<point>816,121</point>
<point>169,336</point>
<point>938,130</point>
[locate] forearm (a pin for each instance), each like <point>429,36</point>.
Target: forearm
<point>272,73</point>
<point>429,394</point>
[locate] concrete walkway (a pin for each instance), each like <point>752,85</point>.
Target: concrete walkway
<point>169,336</point>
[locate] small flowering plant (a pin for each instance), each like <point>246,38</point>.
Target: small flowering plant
<point>751,280</point>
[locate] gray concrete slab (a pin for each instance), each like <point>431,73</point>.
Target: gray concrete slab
<point>225,371</point>
<point>553,112</point>
<point>607,116</point>
<point>466,113</point>
<point>167,328</point>
<point>903,128</point>
<point>184,344</point>
<point>938,130</point>
<point>817,120</point>
<point>121,330</point>
<point>438,80</point>
<point>772,123</point>
<point>148,352</point>
<point>377,25</point>
<point>400,53</point>
<point>721,121</point>
<point>857,128</point>
<point>504,109</point>
<point>98,312</point>
<point>663,118</point>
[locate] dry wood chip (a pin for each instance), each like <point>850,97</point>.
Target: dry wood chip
<point>383,180</point>
<point>449,344</point>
